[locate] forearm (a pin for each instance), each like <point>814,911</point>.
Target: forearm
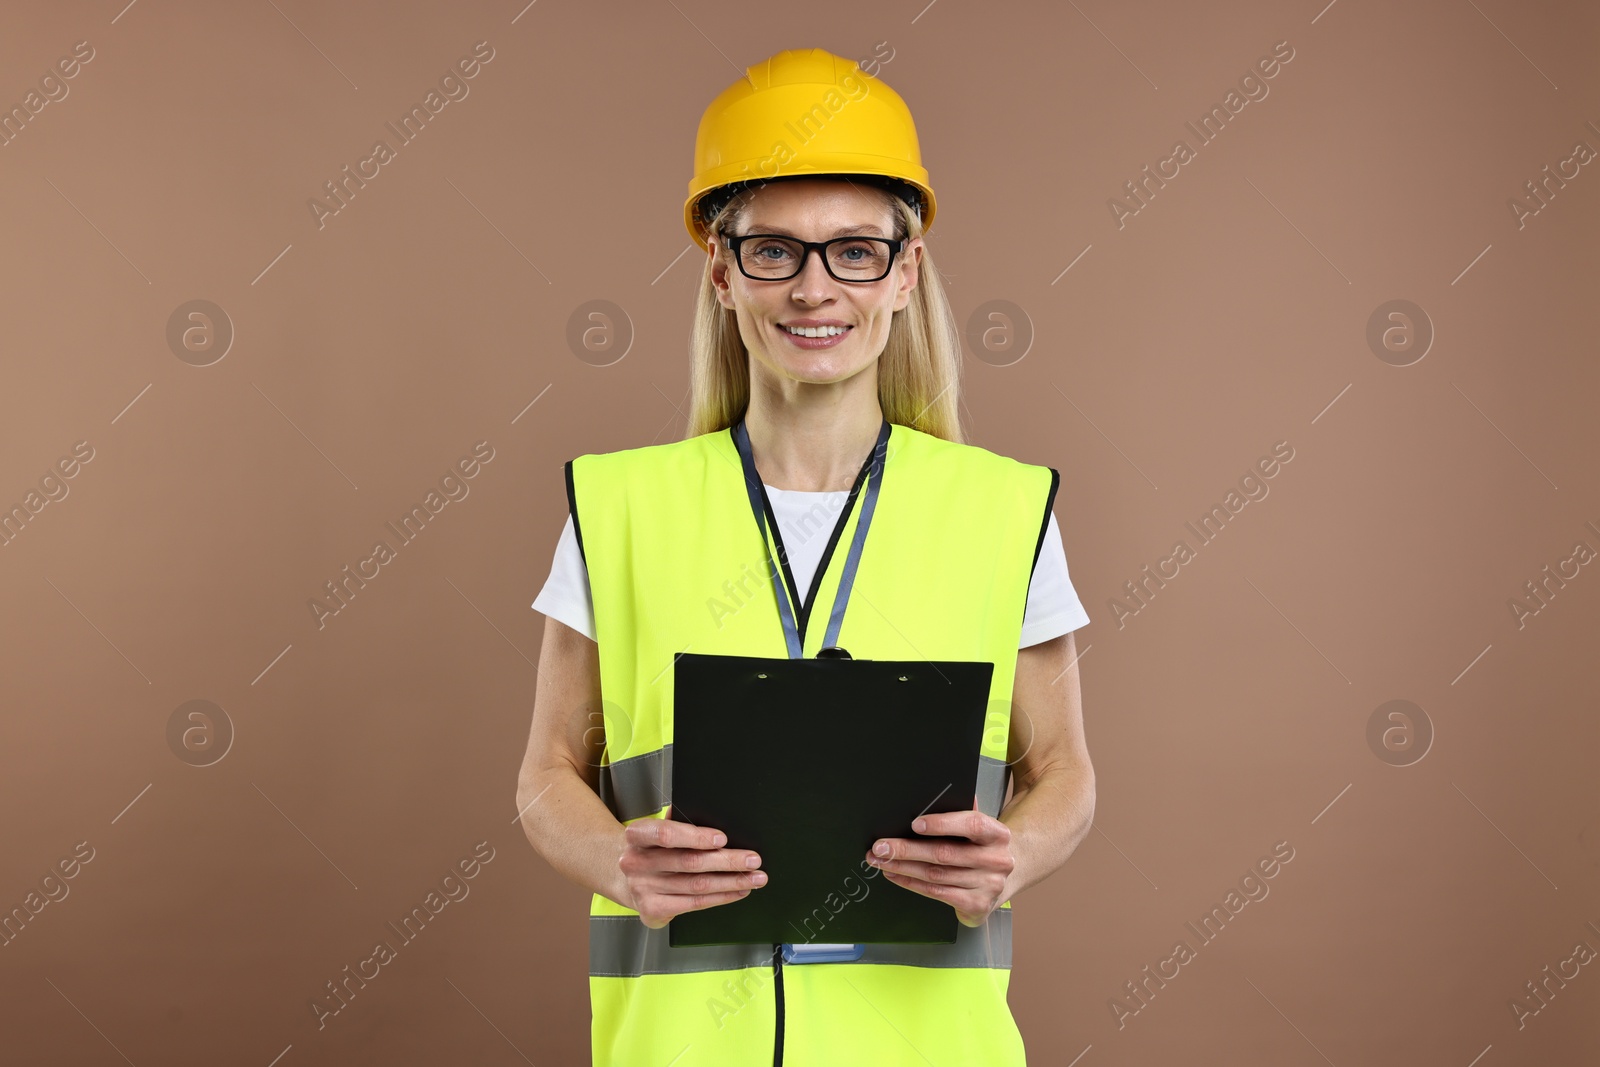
<point>571,827</point>
<point>1047,821</point>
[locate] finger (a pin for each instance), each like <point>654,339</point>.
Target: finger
<point>951,852</point>
<point>672,906</point>
<point>974,825</point>
<point>697,859</point>
<point>927,889</point>
<point>678,889</point>
<point>939,874</point>
<point>968,906</point>
<point>680,884</point>
<point>681,888</point>
<point>668,833</point>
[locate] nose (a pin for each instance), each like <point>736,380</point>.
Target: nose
<point>813,279</point>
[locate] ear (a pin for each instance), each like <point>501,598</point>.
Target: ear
<point>719,273</point>
<point>909,265</point>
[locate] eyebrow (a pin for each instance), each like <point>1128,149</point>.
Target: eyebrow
<point>872,229</point>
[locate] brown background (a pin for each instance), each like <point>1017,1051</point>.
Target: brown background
<point>370,354</point>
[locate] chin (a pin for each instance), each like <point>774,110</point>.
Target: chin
<point>823,374</point>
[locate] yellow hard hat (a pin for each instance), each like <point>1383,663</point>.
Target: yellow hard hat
<point>804,113</point>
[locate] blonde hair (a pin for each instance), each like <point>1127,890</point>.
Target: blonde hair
<point>919,370</point>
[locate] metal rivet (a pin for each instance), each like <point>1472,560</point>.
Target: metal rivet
<point>903,678</point>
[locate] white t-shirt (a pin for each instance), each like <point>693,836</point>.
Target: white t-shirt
<point>805,521</point>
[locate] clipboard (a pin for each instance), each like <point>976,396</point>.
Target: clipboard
<point>808,762</point>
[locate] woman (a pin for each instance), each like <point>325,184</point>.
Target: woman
<point>825,371</point>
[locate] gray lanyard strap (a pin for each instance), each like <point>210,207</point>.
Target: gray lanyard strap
<point>873,468</point>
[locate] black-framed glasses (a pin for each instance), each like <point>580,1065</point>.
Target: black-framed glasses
<point>772,257</point>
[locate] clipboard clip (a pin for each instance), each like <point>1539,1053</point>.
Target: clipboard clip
<point>820,953</point>
<point>833,652</point>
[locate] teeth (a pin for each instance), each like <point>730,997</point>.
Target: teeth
<point>816,331</point>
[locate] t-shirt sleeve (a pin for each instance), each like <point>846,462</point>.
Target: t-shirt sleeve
<point>565,596</point>
<point>1053,606</point>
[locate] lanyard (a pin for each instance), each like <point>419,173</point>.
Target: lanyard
<point>759,504</point>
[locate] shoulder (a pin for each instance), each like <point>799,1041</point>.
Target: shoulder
<point>648,460</point>
<point>954,457</point>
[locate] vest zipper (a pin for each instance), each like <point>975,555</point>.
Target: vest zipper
<point>777,982</point>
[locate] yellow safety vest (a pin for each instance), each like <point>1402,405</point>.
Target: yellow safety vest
<point>677,563</point>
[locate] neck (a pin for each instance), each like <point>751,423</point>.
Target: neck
<point>813,437</point>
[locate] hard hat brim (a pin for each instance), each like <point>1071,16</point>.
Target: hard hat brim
<point>871,169</point>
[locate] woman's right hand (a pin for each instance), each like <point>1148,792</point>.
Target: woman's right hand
<point>674,867</point>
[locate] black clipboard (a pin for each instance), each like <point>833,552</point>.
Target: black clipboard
<point>808,762</point>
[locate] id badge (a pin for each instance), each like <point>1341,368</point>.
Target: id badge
<point>822,953</point>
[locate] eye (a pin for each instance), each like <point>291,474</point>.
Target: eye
<point>771,250</point>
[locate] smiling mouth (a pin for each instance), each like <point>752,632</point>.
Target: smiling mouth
<point>814,331</point>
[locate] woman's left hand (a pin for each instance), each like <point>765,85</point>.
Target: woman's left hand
<point>968,875</point>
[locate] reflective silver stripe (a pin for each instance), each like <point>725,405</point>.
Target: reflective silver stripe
<point>992,777</point>
<point>988,945</point>
<point>639,785</point>
<point>642,785</point>
<point>620,946</point>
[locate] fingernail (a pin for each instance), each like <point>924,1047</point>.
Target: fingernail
<point>881,848</point>
<point>920,825</point>
<point>752,861</point>
<point>718,840</point>
<point>759,878</point>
